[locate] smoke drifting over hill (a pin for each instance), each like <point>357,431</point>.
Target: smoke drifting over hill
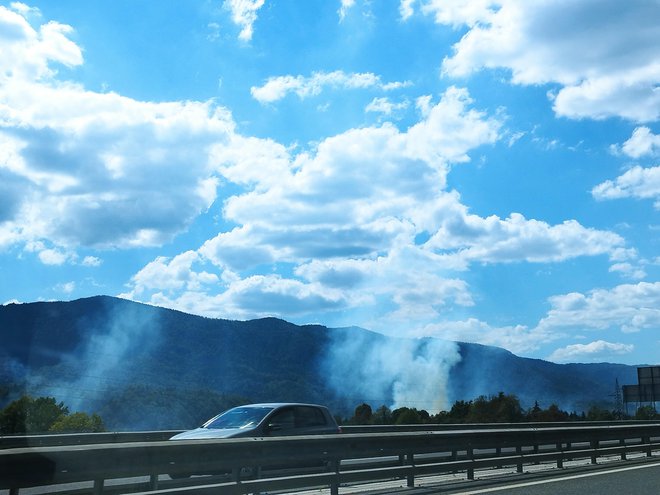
<point>390,371</point>
<point>143,366</point>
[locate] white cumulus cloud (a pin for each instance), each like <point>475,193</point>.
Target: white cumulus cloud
<point>276,88</point>
<point>602,54</point>
<point>244,15</point>
<point>346,218</point>
<point>596,351</point>
<point>638,182</point>
<point>628,307</point>
<point>81,168</point>
<point>642,143</point>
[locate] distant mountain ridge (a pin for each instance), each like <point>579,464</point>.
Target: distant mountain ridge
<point>148,367</point>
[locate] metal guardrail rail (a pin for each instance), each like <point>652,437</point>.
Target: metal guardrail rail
<point>408,454</point>
<point>63,439</point>
<point>52,440</point>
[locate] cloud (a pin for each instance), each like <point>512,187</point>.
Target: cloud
<point>91,261</point>
<point>360,192</point>
<point>67,287</point>
<point>596,351</point>
<point>638,182</point>
<point>166,274</point>
<point>254,296</point>
<point>602,55</point>
<point>495,240</point>
<point>52,257</point>
<point>518,339</point>
<point>628,270</point>
<point>364,222</point>
<point>276,88</point>
<point>453,12</point>
<point>628,307</point>
<point>385,107</point>
<point>406,9</point>
<point>95,169</point>
<point>642,143</point>
<point>349,210</point>
<point>28,53</point>
<point>244,15</point>
<point>346,5</point>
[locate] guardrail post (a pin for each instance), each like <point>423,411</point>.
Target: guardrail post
<point>334,486</point>
<point>153,482</point>
<point>98,486</point>
<point>410,479</point>
<point>470,471</point>
<point>560,459</point>
<point>594,454</point>
<point>649,450</point>
<point>623,453</point>
<point>519,464</point>
<point>536,451</point>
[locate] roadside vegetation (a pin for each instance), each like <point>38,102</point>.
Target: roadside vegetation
<point>501,408</point>
<point>29,415</point>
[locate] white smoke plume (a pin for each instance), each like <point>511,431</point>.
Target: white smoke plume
<point>396,372</point>
<point>111,347</point>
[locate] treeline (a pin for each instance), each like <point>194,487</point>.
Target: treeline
<point>501,408</point>
<point>45,415</point>
<point>132,408</point>
<point>141,406</point>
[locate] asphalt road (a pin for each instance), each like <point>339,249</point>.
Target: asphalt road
<point>639,479</point>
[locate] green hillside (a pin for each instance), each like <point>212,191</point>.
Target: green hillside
<point>143,367</point>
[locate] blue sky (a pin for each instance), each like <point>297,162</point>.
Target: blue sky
<point>483,171</point>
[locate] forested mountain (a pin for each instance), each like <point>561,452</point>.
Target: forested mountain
<point>141,366</point>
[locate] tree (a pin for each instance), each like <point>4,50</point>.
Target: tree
<point>28,415</point>
<point>552,413</point>
<point>78,422</point>
<point>501,408</point>
<point>362,414</point>
<point>43,412</point>
<point>646,412</point>
<point>535,412</point>
<point>406,416</point>
<point>13,417</point>
<point>382,416</point>
<point>459,411</point>
<point>597,413</point>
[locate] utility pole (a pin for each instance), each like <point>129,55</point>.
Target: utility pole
<point>618,400</point>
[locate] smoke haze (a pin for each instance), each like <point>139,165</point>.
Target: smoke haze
<point>105,360</point>
<point>371,368</point>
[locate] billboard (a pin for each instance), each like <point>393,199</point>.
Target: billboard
<point>648,387</point>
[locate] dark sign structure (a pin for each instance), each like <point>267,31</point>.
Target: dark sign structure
<point>647,389</point>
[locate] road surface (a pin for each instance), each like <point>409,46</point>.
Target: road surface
<point>640,479</point>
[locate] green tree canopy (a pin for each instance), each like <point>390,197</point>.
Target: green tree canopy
<point>29,415</point>
<point>501,408</point>
<point>646,412</point>
<point>382,416</point>
<point>406,416</point>
<point>78,422</point>
<point>44,414</point>
<point>362,414</point>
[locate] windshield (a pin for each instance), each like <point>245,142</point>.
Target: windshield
<point>239,417</point>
